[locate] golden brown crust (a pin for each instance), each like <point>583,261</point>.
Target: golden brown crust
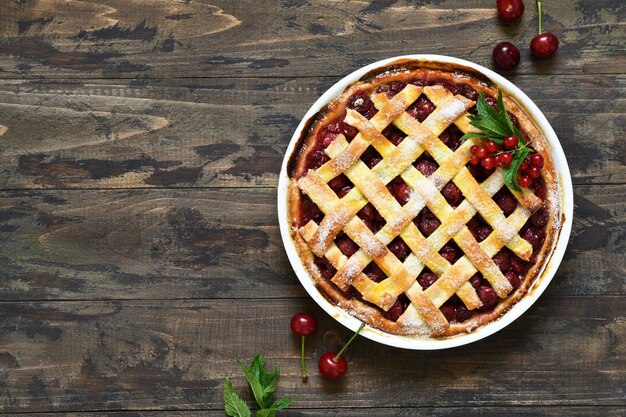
<point>372,315</point>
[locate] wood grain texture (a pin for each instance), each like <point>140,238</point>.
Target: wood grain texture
<point>116,38</point>
<point>233,132</point>
<point>140,143</point>
<point>528,411</point>
<point>69,356</point>
<point>220,243</point>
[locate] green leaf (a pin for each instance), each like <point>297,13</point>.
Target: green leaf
<point>489,120</point>
<point>513,130</point>
<point>510,172</point>
<point>258,366</point>
<point>472,136</point>
<point>262,382</point>
<point>233,404</point>
<point>271,411</point>
<point>258,390</point>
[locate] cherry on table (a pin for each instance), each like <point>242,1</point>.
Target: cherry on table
<point>506,56</point>
<point>332,365</point>
<point>331,368</point>
<point>303,324</point>
<point>544,44</point>
<point>510,10</point>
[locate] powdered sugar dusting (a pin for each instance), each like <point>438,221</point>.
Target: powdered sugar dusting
<point>343,161</point>
<point>450,111</point>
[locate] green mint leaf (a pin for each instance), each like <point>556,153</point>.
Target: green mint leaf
<point>510,172</point>
<point>512,129</point>
<point>234,406</point>
<point>265,378</point>
<point>472,136</point>
<point>258,390</point>
<point>277,406</point>
<point>262,382</point>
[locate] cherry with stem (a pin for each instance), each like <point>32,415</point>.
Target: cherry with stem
<point>303,324</point>
<point>544,44</point>
<point>332,365</point>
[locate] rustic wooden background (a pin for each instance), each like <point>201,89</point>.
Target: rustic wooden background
<point>139,249</point>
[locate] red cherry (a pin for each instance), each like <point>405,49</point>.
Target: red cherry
<point>488,162</point>
<point>474,160</point>
<point>536,160</point>
<point>510,10</point>
<point>504,159</point>
<point>491,146</point>
<point>505,56</point>
<point>330,368</point>
<point>544,45</point>
<point>533,172</point>
<point>523,167</point>
<point>524,181</point>
<point>303,324</point>
<point>510,142</point>
<point>332,365</point>
<point>481,153</point>
<point>473,149</point>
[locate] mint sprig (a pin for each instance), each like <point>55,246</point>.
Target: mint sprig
<point>263,385</point>
<point>495,125</point>
<point>233,404</point>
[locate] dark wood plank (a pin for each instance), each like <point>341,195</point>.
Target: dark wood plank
<point>116,38</point>
<point>377,411</point>
<point>219,243</point>
<point>176,354</point>
<point>233,133</point>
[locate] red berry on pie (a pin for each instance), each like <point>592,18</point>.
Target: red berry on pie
<point>510,10</point>
<point>505,159</point>
<point>474,160</point>
<point>481,153</point>
<point>536,160</point>
<point>488,162</point>
<point>491,146</point>
<point>510,142</point>
<point>524,181</point>
<point>473,149</point>
<point>533,172</point>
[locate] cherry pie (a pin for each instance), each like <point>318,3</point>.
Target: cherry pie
<point>394,223</point>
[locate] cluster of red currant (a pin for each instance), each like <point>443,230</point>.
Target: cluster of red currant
<point>493,154</point>
<point>530,169</point>
<point>505,55</point>
<point>331,365</point>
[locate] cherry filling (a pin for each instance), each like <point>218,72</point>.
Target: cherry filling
<point>513,267</point>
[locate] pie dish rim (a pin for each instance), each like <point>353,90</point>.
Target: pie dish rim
<point>548,269</point>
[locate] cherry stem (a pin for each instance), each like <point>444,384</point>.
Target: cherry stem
<point>305,378</point>
<point>539,13</point>
<point>336,358</point>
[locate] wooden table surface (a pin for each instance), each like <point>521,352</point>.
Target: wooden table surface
<point>139,246</point>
